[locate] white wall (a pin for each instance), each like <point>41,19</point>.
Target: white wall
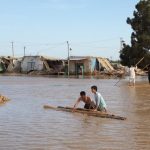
<point>36,59</point>
<point>86,62</point>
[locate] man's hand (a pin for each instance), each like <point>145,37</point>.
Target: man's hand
<point>94,109</point>
<point>73,110</point>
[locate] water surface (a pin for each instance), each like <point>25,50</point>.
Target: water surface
<point>25,125</point>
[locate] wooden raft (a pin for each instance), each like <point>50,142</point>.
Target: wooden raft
<point>85,111</point>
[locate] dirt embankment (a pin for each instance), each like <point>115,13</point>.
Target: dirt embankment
<point>3,99</point>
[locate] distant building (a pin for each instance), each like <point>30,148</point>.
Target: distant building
<point>79,65</point>
<point>88,65</point>
<point>2,66</point>
<point>104,64</point>
<point>40,63</point>
<point>9,64</point>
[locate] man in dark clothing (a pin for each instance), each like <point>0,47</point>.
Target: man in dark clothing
<point>149,74</point>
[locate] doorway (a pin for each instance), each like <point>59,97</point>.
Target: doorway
<point>30,66</point>
<point>79,69</point>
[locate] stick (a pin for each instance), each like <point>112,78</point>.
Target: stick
<point>145,66</point>
<point>139,61</point>
<point>117,82</point>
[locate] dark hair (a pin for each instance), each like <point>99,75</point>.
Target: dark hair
<point>94,87</point>
<point>82,93</point>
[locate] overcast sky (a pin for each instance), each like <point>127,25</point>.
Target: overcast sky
<point>92,27</point>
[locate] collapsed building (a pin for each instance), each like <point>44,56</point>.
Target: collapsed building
<point>88,65</point>
<point>41,64</point>
<point>2,66</point>
<point>104,64</point>
<point>10,65</point>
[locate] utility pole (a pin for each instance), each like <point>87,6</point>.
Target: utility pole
<point>68,58</point>
<point>12,47</point>
<point>121,43</point>
<point>24,50</point>
<point>121,47</point>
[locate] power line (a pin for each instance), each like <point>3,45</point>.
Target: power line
<point>40,44</point>
<point>98,41</point>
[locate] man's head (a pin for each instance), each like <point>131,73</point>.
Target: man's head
<point>94,89</point>
<point>83,94</point>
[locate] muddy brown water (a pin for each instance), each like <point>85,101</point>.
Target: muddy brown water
<point>25,125</point>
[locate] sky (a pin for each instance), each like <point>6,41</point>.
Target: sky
<point>92,27</point>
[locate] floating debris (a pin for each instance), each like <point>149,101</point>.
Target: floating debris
<point>3,99</point>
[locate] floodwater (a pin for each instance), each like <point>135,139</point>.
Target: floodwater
<point>25,125</point>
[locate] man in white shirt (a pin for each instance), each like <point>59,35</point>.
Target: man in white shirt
<point>131,76</point>
<point>99,100</point>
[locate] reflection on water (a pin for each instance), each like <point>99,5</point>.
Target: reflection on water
<point>25,125</point>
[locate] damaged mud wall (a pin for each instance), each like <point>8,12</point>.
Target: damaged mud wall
<point>54,66</point>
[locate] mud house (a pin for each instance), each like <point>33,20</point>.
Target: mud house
<point>41,63</point>
<point>88,65</point>
<point>104,64</point>
<point>81,65</point>
<point>9,64</point>
<point>2,66</point>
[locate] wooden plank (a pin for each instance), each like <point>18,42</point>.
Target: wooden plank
<point>85,111</point>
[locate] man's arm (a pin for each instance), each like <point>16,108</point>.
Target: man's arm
<point>92,103</point>
<point>76,104</point>
<point>97,100</point>
<point>96,104</point>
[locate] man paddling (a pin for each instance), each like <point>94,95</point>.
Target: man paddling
<point>100,102</point>
<point>89,104</point>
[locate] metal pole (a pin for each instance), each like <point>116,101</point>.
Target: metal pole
<point>121,43</point>
<point>121,47</point>
<point>68,58</point>
<point>24,50</point>
<point>12,47</point>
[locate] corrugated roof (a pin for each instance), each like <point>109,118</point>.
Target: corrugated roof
<point>80,57</point>
<point>45,57</point>
<point>105,63</point>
